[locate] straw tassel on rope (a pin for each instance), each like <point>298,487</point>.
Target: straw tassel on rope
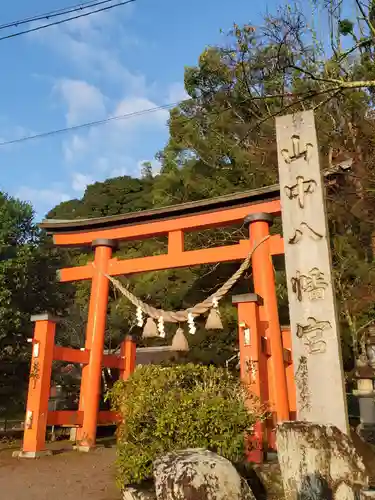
<point>214,320</point>
<point>179,341</point>
<point>150,330</point>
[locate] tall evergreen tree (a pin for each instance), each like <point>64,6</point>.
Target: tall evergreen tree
<point>27,286</point>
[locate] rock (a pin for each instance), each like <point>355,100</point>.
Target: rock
<point>198,474</point>
<point>134,494</point>
<point>271,483</point>
<point>319,462</point>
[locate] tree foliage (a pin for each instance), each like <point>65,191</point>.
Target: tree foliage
<point>27,286</point>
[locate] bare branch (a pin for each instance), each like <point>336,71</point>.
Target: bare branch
<point>365,17</point>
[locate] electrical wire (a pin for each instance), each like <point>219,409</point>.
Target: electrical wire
<point>55,13</point>
<point>91,124</point>
<point>55,23</point>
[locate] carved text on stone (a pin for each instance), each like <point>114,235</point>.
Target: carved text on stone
<point>314,283</point>
<point>312,335</point>
<point>304,229</point>
<point>300,189</point>
<point>297,152</point>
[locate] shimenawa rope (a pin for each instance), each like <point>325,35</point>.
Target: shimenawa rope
<point>198,309</point>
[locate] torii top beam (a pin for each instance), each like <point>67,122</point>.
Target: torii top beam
<point>197,215</point>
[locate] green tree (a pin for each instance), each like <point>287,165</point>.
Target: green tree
<point>27,286</point>
<point>338,83</point>
<point>227,127</point>
<point>146,171</point>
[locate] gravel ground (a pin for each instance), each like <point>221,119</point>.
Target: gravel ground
<point>66,475</point>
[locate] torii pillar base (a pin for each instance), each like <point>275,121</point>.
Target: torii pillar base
<point>83,448</point>
<point>32,454</point>
<point>87,449</point>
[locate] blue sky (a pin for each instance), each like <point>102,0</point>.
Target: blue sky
<point>128,59</point>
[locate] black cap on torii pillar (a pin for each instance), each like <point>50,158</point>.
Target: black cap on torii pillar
<point>259,217</point>
<point>105,242</point>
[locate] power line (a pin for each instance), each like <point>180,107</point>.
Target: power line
<point>55,13</point>
<point>31,30</point>
<point>91,124</point>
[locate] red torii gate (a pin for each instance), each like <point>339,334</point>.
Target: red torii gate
<point>262,342</point>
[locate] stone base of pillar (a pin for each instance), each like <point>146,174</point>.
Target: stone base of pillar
<point>84,448</point>
<point>367,494</point>
<point>32,454</point>
<point>73,434</point>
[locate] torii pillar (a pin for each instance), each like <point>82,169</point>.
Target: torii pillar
<point>265,286</point>
<point>96,324</point>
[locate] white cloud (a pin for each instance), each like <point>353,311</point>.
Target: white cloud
<point>93,45</point>
<point>45,197</point>
<point>118,172</point>
<point>9,132</point>
<point>80,181</point>
<point>177,92</point>
<point>74,146</point>
<point>84,102</point>
<point>94,25</point>
<point>104,87</point>
<point>115,164</point>
<point>106,147</point>
<point>102,164</point>
<point>131,105</point>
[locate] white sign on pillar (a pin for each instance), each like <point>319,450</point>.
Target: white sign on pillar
<point>316,344</point>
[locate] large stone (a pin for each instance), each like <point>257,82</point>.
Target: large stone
<point>319,462</point>
<point>198,474</point>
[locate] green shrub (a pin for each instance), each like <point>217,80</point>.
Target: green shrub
<point>172,408</point>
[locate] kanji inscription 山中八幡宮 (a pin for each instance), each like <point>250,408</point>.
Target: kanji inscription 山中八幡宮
<point>316,346</point>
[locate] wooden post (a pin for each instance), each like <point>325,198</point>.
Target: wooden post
<point>34,438</point>
<point>316,345</point>
<point>264,285</point>
<point>128,357</point>
<point>96,323</point>
<point>253,369</point>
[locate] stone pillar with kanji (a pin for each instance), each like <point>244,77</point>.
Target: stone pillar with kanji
<point>319,377</point>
